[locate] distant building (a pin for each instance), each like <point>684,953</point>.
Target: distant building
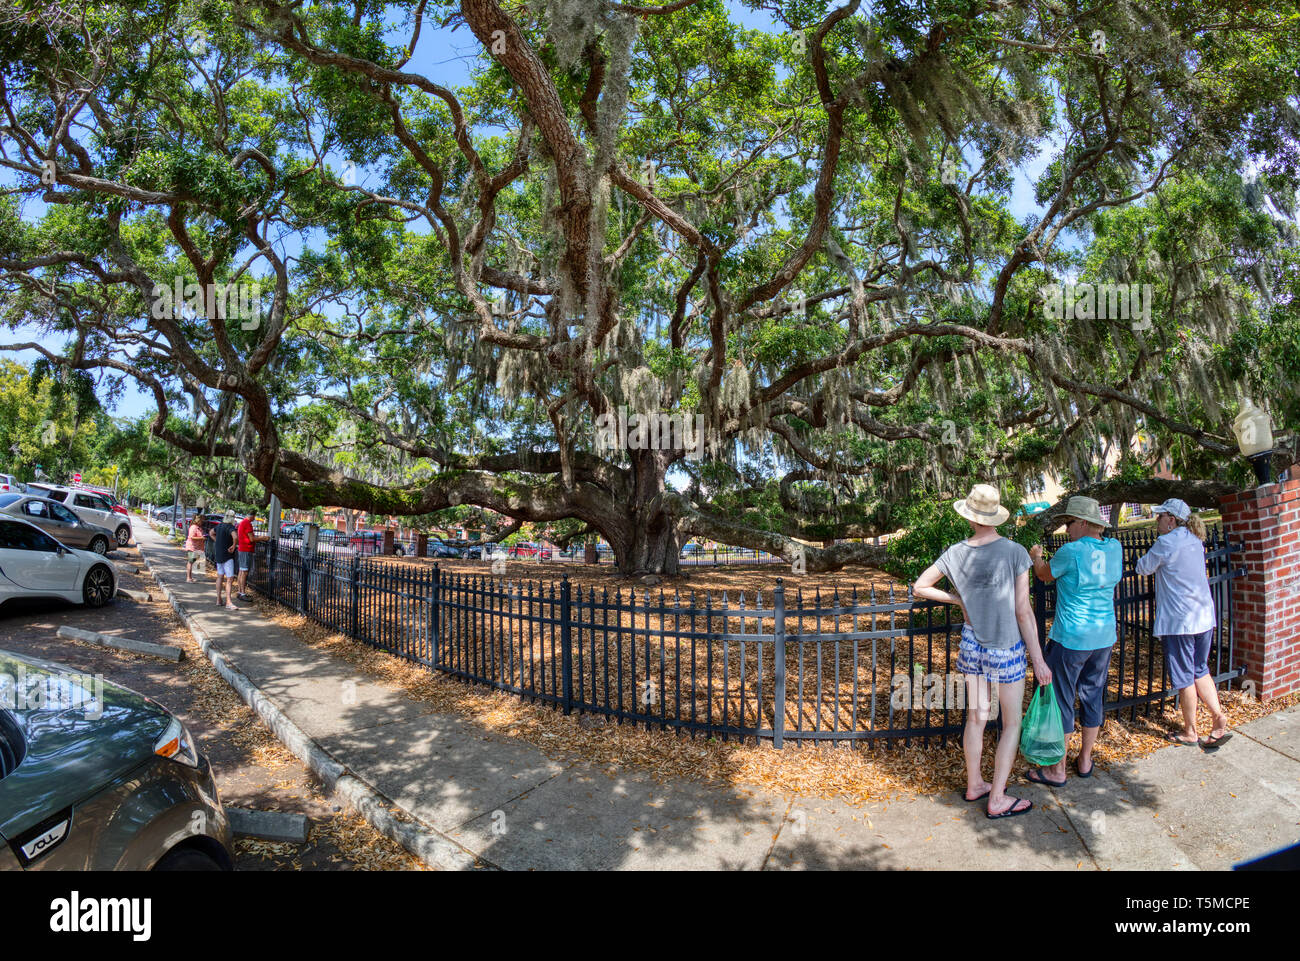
<point>1051,490</point>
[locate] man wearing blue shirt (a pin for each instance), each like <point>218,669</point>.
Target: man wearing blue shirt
<point>1086,570</point>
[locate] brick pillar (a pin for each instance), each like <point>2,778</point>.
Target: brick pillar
<point>421,544</point>
<point>390,546</point>
<point>1266,601</point>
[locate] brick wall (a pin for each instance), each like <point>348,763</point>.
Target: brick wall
<point>1266,601</point>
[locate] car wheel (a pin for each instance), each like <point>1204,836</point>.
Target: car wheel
<point>186,859</point>
<point>123,536</point>
<point>97,588</point>
<point>99,544</point>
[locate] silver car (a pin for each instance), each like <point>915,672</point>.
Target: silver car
<point>91,506</point>
<point>57,521</point>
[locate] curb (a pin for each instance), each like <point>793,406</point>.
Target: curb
<point>433,848</point>
<point>168,652</point>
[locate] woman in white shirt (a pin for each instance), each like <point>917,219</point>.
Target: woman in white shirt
<point>1185,617</point>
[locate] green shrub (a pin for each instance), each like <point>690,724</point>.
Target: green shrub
<point>931,526</point>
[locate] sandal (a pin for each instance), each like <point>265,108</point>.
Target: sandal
<point>1029,776</point>
<point>972,800</point>
<point>1012,811</point>
<point>1212,743</point>
<point>1079,772</point>
<point>1173,738</point>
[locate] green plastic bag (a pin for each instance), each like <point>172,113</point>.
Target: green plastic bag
<point>1042,739</point>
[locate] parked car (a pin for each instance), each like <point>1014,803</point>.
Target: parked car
<point>329,539</point>
<point>94,776</point>
<point>372,542</point>
<point>469,550</point>
<point>34,564</point>
<point>444,549</point>
<point>529,549</point>
<point>89,506</point>
<point>108,496</point>
<point>57,521</point>
<point>9,484</point>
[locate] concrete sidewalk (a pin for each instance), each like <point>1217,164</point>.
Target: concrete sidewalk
<point>514,808</point>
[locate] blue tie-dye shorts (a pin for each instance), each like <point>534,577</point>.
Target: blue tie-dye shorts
<point>1004,665</point>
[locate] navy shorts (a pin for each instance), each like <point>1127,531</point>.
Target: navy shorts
<point>1080,674</point>
<point>1187,657</point>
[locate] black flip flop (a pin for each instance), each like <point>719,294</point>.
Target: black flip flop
<point>1029,776</point>
<point>1011,811</point>
<point>1080,773</point>
<point>972,800</point>
<point>1174,739</point>
<point>1212,743</point>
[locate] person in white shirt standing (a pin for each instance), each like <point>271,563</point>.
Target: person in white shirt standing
<point>1185,617</point>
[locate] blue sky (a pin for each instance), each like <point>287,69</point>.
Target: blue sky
<point>447,57</point>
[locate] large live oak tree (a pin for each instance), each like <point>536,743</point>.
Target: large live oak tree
<point>801,237</point>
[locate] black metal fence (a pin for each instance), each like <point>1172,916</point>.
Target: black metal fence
<point>777,666</point>
<point>1135,543</point>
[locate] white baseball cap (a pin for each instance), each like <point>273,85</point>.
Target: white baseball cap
<point>1174,506</point>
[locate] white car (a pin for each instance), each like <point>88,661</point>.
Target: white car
<point>91,507</point>
<point>34,564</point>
<point>9,484</point>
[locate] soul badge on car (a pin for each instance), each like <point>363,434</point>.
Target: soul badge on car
<point>43,838</point>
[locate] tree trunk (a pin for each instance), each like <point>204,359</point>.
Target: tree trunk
<point>644,540</point>
<point>648,545</point>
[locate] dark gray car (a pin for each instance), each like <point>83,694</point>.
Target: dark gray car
<point>94,776</point>
<point>57,521</point>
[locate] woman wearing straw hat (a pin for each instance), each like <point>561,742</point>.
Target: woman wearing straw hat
<point>1086,570</point>
<point>990,575</point>
<point>1185,617</point>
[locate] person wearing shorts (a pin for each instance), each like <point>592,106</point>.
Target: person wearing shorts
<point>193,549</point>
<point>1185,618</point>
<point>1086,570</point>
<point>990,579</point>
<point>245,542</point>
<point>223,550</point>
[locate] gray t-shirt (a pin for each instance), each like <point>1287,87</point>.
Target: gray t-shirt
<point>985,577</point>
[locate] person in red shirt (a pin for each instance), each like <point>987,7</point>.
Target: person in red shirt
<point>244,541</point>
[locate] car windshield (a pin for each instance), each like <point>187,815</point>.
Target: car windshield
<point>7,499</point>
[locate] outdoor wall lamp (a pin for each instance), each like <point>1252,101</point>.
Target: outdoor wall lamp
<point>1255,438</point>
